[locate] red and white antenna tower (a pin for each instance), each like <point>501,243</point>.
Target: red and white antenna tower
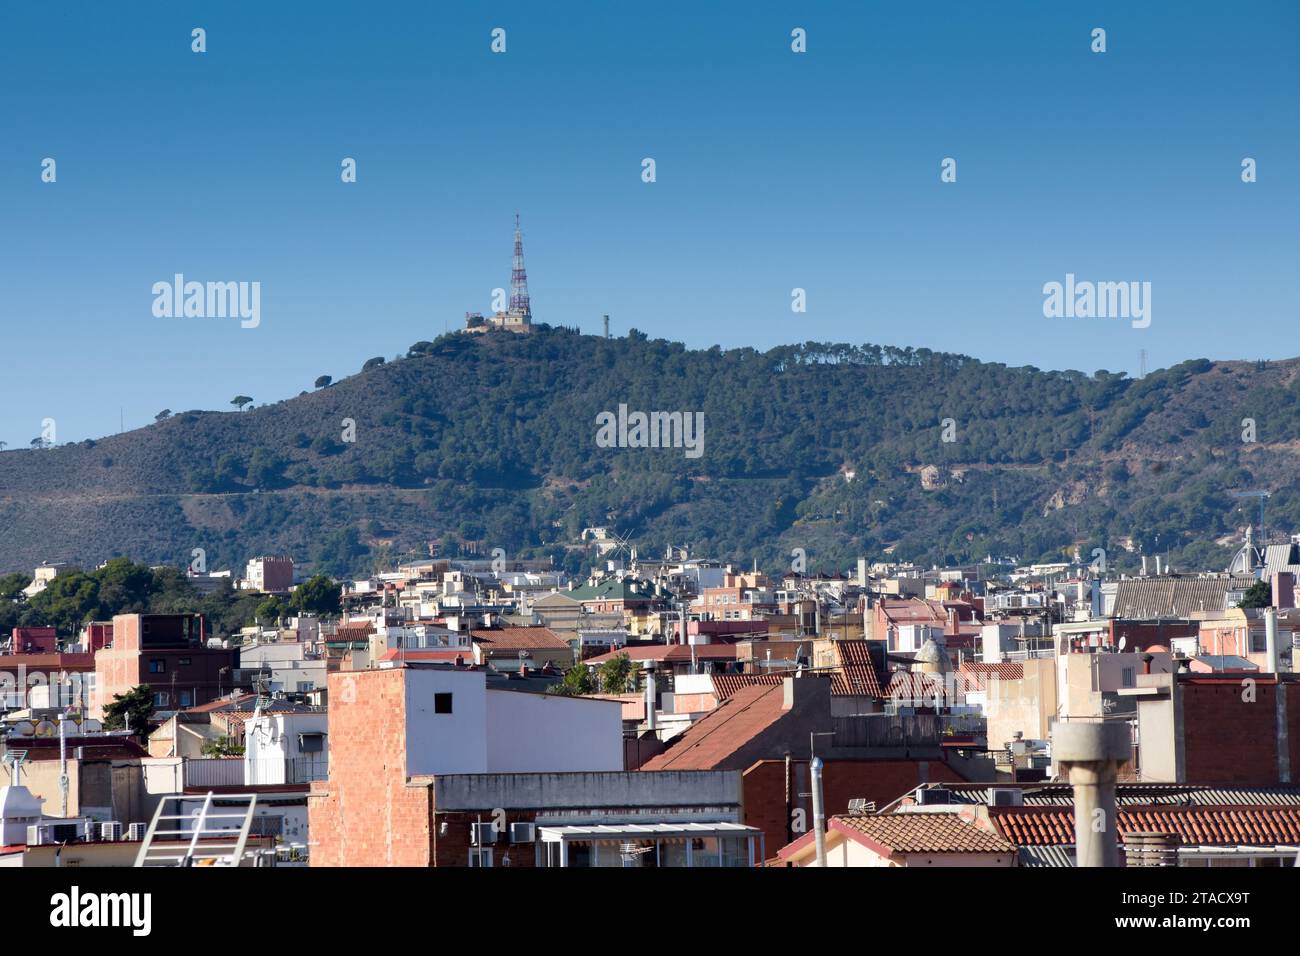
<point>519,278</point>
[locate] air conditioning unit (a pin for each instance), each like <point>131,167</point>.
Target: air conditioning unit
<point>523,832</point>
<point>482,834</point>
<point>934,796</point>
<point>1006,797</point>
<point>44,834</point>
<point>110,831</point>
<point>135,832</point>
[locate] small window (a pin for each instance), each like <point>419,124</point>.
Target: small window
<point>442,705</point>
<point>1128,677</point>
<point>311,743</point>
<point>478,857</point>
<point>161,699</point>
<point>157,666</point>
<point>184,662</point>
<point>186,699</point>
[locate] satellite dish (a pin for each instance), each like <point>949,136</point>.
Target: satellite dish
<point>46,728</point>
<point>1123,642</point>
<point>25,728</point>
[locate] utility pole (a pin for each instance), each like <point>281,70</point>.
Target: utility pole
<point>63,760</point>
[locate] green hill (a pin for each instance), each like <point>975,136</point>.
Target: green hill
<point>480,442</point>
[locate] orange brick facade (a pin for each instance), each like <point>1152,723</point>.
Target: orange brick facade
<point>368,813</point>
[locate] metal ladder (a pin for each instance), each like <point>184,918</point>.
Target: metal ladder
<point>209,844</point>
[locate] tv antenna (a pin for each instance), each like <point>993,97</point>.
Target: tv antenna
<point>14,760</point>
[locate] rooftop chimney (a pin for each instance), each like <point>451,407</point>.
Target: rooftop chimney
<point>650,694</point>
<point>1284,589</point>
<point>1090,754</point>
<point>819,813</point>
<point>1270,640</point>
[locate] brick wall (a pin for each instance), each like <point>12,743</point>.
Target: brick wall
<point>452,848</point>
<point>842,780</point>
<point>1230,740</point>
<point>369,814</point>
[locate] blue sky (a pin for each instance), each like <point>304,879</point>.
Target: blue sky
<point>775,170</point>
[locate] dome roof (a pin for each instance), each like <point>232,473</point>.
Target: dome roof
<point>932,653</point>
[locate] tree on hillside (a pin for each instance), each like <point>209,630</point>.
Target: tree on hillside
<point>240,401</point>
<point>165,413</point>
<point>11,585</point>
<point>617,675</point>
<point>132,709</point>
<point>375,362</point>
<point>319,595</point>
<point>272,609</point>
<point>323,381</point>
<point>2,445</point>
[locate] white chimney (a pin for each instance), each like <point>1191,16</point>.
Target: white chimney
<point>1270,640</point>
<point>649,668</point>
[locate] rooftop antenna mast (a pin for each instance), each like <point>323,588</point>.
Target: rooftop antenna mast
<point>13,759</point>
<point>519,278</point>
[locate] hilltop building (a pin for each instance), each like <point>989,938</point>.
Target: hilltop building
<point>518,317</point>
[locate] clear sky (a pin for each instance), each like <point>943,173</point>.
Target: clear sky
<point>775,170</point>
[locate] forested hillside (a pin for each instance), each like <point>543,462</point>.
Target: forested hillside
<point>479,442</point>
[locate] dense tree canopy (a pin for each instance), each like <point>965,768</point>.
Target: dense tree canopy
<point>469,443</point>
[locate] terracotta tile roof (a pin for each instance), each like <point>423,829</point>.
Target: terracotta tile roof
<point>352,631</point>
<point>671,653</point>
<point>1146,795</point>
<point>859,672</point>
<point>224,703</point>
<point>1006,671</point>
<point>725,686</point>
<point>708,742</point>
<point>1198,826</point>
<point>921,833</point>
<point>520,638</point>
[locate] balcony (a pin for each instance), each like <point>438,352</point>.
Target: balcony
<point>290,770</point>
<point>240,771</point>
